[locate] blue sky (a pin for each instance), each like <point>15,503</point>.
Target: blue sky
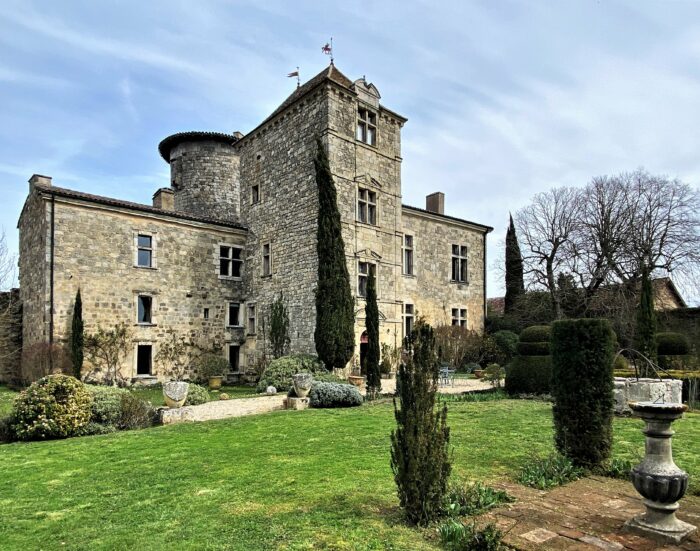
<point>504,98</point>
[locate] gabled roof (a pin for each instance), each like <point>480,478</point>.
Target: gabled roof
<point>71,194</point>
<point>482,227</point>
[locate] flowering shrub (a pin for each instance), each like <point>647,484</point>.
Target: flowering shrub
<point>56,406</point>
<point>106,404</point>
<point>279,372</point>
<point>334,395</point>
<point>197,395</point>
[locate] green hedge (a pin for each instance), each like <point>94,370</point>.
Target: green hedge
<point>536,333</point>
<point>685,362</point>
<point>672,344</point>
<point>529,375</point>
<point>533,348</point>
<point>582,387</point>
<point>507,343</point>
<point>334,395</point>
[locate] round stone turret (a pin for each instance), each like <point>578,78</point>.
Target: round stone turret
<point>205,175</point>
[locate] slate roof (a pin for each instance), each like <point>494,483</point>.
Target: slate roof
<point>72,194</point>
<point>167,144</point>
<point>486,229</point>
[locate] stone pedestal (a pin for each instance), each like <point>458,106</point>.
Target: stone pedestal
<point>657,478</point>
<point>297,403</point>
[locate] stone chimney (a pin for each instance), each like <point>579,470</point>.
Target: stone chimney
<point>238,134</point>
<point>38,179</point>
<point>435,202</point>
<point>164,199</point>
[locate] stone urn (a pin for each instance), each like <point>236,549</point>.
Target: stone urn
<point>175,393</point>
<point>357,380</point>
<point>302,384</point>
<point>657,478</point>
<point>478,373</point>
<point>215,382</point>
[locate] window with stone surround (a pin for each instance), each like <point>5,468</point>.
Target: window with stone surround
<point>408,255</point>
<point>144,308</point>
<point>233,318</point>
<point>230,261</point>
<point>459,317</point>
<point>144,359</point>
<point>459,263</point>
<point>251,325</point>
<point>145,248</point>
<point>364,269</point>
<point>255,194</point>
<point>408,314</point>
<point>367,206</point>
<point>366,126</point>
<point>267,259</point>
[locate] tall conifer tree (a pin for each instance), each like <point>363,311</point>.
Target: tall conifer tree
<point>335,317</point>
<point>645,340</point>
<point>374,380</point>
<point>77,336</point>
<point>514,269</point>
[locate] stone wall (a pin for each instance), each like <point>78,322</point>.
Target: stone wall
<point>10,335</point>
<point>645,390</point>
<point>431,290</point>
<point>95,248</point>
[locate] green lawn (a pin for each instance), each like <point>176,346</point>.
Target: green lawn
<point>318,479</point>
<point>6,398</point>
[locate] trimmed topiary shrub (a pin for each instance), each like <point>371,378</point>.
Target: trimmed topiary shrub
<point>529,375</point>
<point>582,386</point>
<point>507,343</point>
<point>56,406</point>
<point>533,348</point>
<point>279,372</point>
<point>106,404</point>
<point>334,395</point>
<point>536,333</point>
<point>196,395</point>
<point>672,344</point>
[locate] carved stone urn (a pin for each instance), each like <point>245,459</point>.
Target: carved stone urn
<point>302,384</point>
<point>175,393</point>
<point>661,483</point>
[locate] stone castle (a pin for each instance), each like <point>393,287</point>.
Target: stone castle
<point>237,227</point>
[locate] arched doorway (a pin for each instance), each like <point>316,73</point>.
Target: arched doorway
<point>363,351</point>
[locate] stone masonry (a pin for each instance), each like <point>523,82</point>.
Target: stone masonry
<point>257,192</point>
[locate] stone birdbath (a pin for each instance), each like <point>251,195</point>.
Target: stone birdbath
<point>661,483</point>
<point>302,384</point>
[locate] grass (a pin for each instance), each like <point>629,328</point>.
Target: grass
<point>318,479</point>
<point>6,398</point>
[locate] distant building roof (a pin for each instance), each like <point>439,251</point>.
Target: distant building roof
<point>71,194</point>
<point>496,306</point>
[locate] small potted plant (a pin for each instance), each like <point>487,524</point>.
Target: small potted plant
<point>173,356</point>
<point>356,378</point>
<point>211,369</point>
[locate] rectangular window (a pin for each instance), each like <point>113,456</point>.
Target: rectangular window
<point>408,314</point>
<point>251,319</point>
<point>459,263</point>
<point>408,254</point>
<point>206,313</point>
<point>266,259</point>
<point>366,126</point>
<point>234,355</point>
<point>230,261</point>
<point>233,319</point>
<point>364,269</point>
<point>144,254</point>
<point>144,354</point>
<point>459,317</point>
<point>144,308</point>
<point>367,206</point>
<point>255,194</point>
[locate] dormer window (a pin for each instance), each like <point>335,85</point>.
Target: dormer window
<point>366,126</point>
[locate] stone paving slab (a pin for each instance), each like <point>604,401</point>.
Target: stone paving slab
<point>588,514</point>
<point>223,409</point>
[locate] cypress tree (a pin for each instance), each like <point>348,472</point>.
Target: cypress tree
<point>335,317</point>
<point>279,327</point>
<point>77,337</point>
<point>420,458</point>
<point>645,333</point>
<point>514,269</point>
<point>374,381</point>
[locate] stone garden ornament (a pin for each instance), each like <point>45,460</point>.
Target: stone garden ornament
<point>657,478</point>
<point>175,393</point>
<point>302,384</point>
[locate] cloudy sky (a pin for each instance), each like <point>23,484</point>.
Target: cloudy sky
<point>504,98</point>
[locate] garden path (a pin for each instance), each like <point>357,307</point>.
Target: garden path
<point>588,514</point>
<point>459,386</point>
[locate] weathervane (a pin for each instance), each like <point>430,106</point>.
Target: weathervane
<point>328,49</point>
<point>295,74</point>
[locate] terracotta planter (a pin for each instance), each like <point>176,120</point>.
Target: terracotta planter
<point>175,393</point>
<point>215,382</point>
<point>478,373</point>
<point>357,380</point>
<point>302,384</point>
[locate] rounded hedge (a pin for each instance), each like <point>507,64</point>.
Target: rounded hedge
<point>679,362</point>
<point>106,404</point>
<point>507,343</point>
<point>196,395</point>
<point>533,348</point>
<point>529,375</point>
<point>536,333</point>
<point>334,395</point>
<point>56,406</point>
<point>672,344</point>
<point>279,372</point>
